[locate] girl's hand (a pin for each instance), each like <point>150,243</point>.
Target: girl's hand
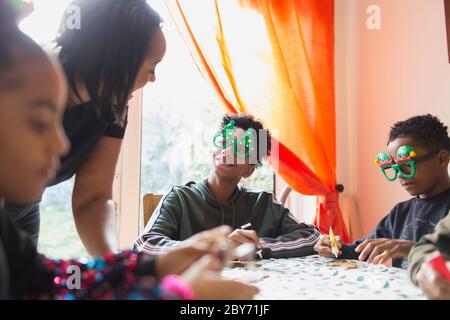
<point>208,285</point>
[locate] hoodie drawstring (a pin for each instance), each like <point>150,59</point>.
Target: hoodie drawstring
<point>234,215</point>
<point>223,214</point>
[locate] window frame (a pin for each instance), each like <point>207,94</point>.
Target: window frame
<point>128,177</point>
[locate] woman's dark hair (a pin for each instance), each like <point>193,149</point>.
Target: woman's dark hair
<point>427,130</point>
<point>106,52</point>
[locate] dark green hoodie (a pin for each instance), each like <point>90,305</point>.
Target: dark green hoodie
<point>192,208</point>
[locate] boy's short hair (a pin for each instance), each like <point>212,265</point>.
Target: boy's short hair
<point>246,121</point>
<point>427,130</point>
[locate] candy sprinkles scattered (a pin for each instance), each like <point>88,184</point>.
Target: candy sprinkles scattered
<point>312,278</point>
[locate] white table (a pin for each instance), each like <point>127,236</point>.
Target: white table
<point>308,278</point>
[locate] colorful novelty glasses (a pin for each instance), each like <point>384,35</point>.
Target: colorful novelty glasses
<point>404,163</point>
<point>226,137</point>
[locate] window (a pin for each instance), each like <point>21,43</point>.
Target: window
<point>58,237</point>
<point>180,115</point>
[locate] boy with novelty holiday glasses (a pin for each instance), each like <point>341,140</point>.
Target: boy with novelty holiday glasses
<point>418,156</point>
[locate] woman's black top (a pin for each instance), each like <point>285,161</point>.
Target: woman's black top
<point>85,125</point>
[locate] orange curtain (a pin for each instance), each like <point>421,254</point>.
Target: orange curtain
<point>275,59</point>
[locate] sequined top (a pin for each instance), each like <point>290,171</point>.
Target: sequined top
<point>114,276</point>
<point>25,274</point>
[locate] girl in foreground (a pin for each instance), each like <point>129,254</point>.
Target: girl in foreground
<point>33,94</point>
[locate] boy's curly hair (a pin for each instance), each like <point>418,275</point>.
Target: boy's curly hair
<point>427,130</point>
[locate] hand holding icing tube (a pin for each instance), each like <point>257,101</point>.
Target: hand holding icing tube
<point>329,245</point>
<point>241,236</point>
<point>259,251</point>
<point>334,245</point>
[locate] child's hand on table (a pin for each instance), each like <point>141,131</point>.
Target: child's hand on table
<point>379,251</point>
<point>179,259</point>
<point>208,285</point>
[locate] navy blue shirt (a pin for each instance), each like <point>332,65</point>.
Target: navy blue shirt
<point>408,220</point>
